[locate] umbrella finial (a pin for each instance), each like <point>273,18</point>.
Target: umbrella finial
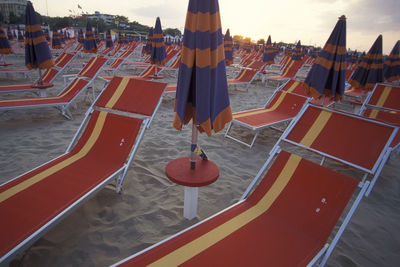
<point>342,17</point>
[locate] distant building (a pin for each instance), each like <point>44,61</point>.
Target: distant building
<point>16,7</point>
<point>108,19</point>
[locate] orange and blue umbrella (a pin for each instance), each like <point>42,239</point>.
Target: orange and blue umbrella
<point>392,64</point>
<point>89,45</point>
<point>269,52</point>
<point>202,88</point>
<point>9,34</point>
<point>158,53</point>
<point>20,36</point>
<point>314,53</point>
<point>46,35</point>
<point>56,40</point>
<point>5,47</point>
<point>228,46</point>
<point>370,70</point>
<point>297,54</point>
<point>109,41</point>
<point>327,75</point>
<point>81,38</point>
<point>147,48</point>
<point>37,51</point>
<point>354,57</point>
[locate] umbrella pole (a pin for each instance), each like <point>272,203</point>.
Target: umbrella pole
<point>40,81</point>
<point>193,155</point>
<point>322,100</point>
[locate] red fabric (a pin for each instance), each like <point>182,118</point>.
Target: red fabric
<point>289,233</point>
<point>90,70</point>
<point>392,101</point>
<point>348,138</point>
<point>28,210</point>
<point>287,109</point>
<point>246,78</point>
<point>63,60</point>
<point>139,96</point>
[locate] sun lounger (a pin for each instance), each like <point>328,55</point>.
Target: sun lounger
<point>286,221</point>
<point>290,71</point>
<point>281,107</point>
<point>23,71</point>
<point>244,77</point>
<point>64,99</point>
<point>358,142</point>
<point>101,152</point>
<point>148,74</point>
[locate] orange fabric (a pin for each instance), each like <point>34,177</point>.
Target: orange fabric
<point>27,211</point>
<point>348,138</point>
<point>291,224</point>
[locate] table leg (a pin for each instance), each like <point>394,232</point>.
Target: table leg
<point>190,202</point>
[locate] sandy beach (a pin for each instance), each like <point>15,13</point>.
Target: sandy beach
<point>111,226</point>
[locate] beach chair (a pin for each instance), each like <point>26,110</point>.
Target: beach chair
<point>23,71</point>
<point>147,74</point>
<point>118,62</point>
<point>280,107</point>
<point>244,77</point>
<point>101,151</point>
<point>286,220</point>
<point>356,141</point>
<point>290,71</point>
<point>48,77</point>
<point>64,99</point>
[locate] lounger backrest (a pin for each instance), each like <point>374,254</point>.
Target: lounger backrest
<point>93,67</point>
<point>287,103</point>
<point>386,96</point>
<point>294,87</point>
<point>348,138</point>
<point>49,75</point>
<point>131,95</point>
<point>63,60</point>
<point>147,72</point>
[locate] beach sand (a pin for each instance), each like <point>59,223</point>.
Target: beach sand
<point>111,226</point>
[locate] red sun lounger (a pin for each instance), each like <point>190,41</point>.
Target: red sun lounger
<point>353,140</point>
<point>102,150</point>
<point>286,221</point>
<point>281,107</point>
<point>245,77</point>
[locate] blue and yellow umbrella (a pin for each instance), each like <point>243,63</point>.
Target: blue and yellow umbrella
<point>46,35</point>
<point>392,64</point>
<point>109,41</point>
<point>228,46</point>
<point>81,38</point>
<point>202,88</point>
<point>9,34</point>
<point>297,54</point>
<point>89,45</point>
<point>327,75</point>
<point>269,52</point>
<point>158,53</point>
<point>147,48</point>
<point>370,70</point>
<point>56,40</point>
<point>5,47</point>
<point>354,57</point>
<point>20,36</point>
<point>37,51</point>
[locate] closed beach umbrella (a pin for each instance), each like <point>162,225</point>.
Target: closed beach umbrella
<point>37,51</point>
<point>297,54</point>
<point>370,70</point>
<point>158,53</point>
<point>56,40</point>
<point>392,64</point>
<point>354,57</point>
<point>20,36</point>
<point>327,75</point>
<point>228,46</point>
<point>147,49</point>
<point>269,52</point>
<point>202,89</point>
<point>109,41</point>
<point>5,47</point>
<point>46,35</point>
<point>89,45</point>
<point>9,34</point>
<point>81,38</point>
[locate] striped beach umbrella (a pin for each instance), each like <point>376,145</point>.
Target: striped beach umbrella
<point>5,47</point>
<point>158,53</point>
<point>81,38</point>
<point>20,36</point>
<point>120,38</point>
<point>109,41</point>
<point>327,75</point>
<point>289,51</point>
<point>9,34</point>
<point>354,57</point>
<point>228,46</point>
<point>56,40</point>
<point>37,51</point>
<point>89,45</point>
<point>370,70</point>
<point>315,52</point>
<point>269,52</point>
<point>46,35</point>
<point>297,54</point>
<point>392,64</point>
<point>202,88</point>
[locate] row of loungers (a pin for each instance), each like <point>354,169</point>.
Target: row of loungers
<point>292,205</point>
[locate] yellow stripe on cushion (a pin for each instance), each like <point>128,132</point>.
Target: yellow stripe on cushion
<point>316,128</point>
<point>288,68</point>
<point>277,103</point>
<point>210,238</point>
<point>59,166</point>
<point>148,71</point>
<point>381,101</point>
<point>61,59</point>
<point>291,88</point>
<point>88,67</point>
<point>118,92</point>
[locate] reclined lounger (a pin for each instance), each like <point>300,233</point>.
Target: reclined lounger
<point>102,150</point>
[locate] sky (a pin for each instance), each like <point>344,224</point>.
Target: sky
<point>310,21</point>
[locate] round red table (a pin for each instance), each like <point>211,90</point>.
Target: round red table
<point>179,172</point>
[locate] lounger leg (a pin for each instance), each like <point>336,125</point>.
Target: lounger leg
<point>378,171</point>
<point>66,113</point>
<point>190,202</point>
